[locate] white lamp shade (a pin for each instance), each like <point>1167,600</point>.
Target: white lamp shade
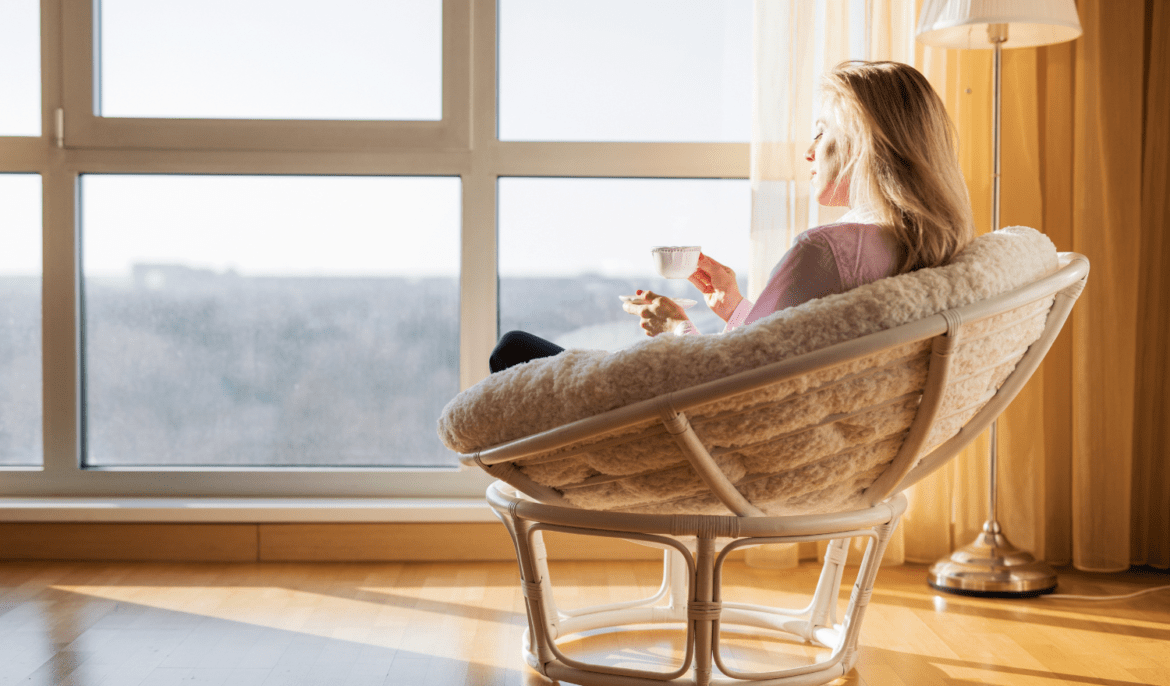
<point>963,23</point>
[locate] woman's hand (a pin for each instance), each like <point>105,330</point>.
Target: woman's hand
<point>659,313</point>
<point>717,284</point>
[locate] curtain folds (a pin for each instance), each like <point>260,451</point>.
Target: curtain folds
<point>1083,475</point>
<point>1150,542</point>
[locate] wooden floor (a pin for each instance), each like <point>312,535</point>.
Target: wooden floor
<point>336,624</point>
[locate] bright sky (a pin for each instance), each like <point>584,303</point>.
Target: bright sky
<point>20,77</point>
<point>20,115</point>
<point>272,225</point>
<point>569,71</point>
<point>292,59</point>
<point>626,70</point>
<point>20,226</point>
<point>557,227</point>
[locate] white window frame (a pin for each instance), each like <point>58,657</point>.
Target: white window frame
<point>463,144</point>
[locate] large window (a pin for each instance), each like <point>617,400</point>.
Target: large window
<point>279,237</point>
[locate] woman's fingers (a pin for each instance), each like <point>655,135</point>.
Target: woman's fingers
<point>703,281</point>
<point>654,303</point>
<point>713,267</point>
<point>658,313</point>
<point>642,305</point>
<point>718,276</point>
<point>709,264</point>
<point>637,303</point>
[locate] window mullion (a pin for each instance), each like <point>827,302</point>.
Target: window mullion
<point>478,304</point>
<point>59,307</point>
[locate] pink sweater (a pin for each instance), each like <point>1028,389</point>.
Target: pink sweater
<point>828,259</point>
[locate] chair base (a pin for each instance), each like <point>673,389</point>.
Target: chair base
<point>690,596</point>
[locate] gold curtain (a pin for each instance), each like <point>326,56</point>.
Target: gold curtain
<point>1083,475</point>
<point>1150,536</point>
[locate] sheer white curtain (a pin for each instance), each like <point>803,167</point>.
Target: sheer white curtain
<point>794,43</point>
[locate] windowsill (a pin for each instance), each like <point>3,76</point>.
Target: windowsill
<point>245,510</point>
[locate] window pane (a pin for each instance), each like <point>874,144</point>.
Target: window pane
<point>20,69</point>
<point>269,320</point>
<point>625,70</point>
<point>570,247</point>
<point>20,320</point>
<point>271,59</point>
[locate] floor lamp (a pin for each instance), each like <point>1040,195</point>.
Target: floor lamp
<point>992,566</point>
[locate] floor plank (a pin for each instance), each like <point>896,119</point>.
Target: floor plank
<point>451,623</point>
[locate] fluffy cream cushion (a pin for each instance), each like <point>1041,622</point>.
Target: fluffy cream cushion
<point>778,467</point>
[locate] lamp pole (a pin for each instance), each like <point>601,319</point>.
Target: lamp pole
<point>992,566</point>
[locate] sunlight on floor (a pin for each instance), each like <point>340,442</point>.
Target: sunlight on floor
<point>446,624</point>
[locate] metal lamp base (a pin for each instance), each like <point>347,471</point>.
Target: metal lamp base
<point>992,567</point>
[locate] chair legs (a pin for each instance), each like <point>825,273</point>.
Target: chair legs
<point>690,595</point>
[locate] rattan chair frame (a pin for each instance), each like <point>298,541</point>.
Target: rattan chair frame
<point>692,566</point>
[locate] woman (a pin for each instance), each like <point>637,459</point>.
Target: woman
<point>884,147</point>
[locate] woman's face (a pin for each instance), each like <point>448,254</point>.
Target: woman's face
<point>830,187</point>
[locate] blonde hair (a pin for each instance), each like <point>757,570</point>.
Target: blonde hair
<point>901,159</point>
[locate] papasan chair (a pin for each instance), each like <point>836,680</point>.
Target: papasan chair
<point>805,426</point>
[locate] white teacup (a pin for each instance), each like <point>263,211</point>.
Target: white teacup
<point>676,261</point>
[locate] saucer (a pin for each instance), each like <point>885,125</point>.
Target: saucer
<point>685,303</point>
